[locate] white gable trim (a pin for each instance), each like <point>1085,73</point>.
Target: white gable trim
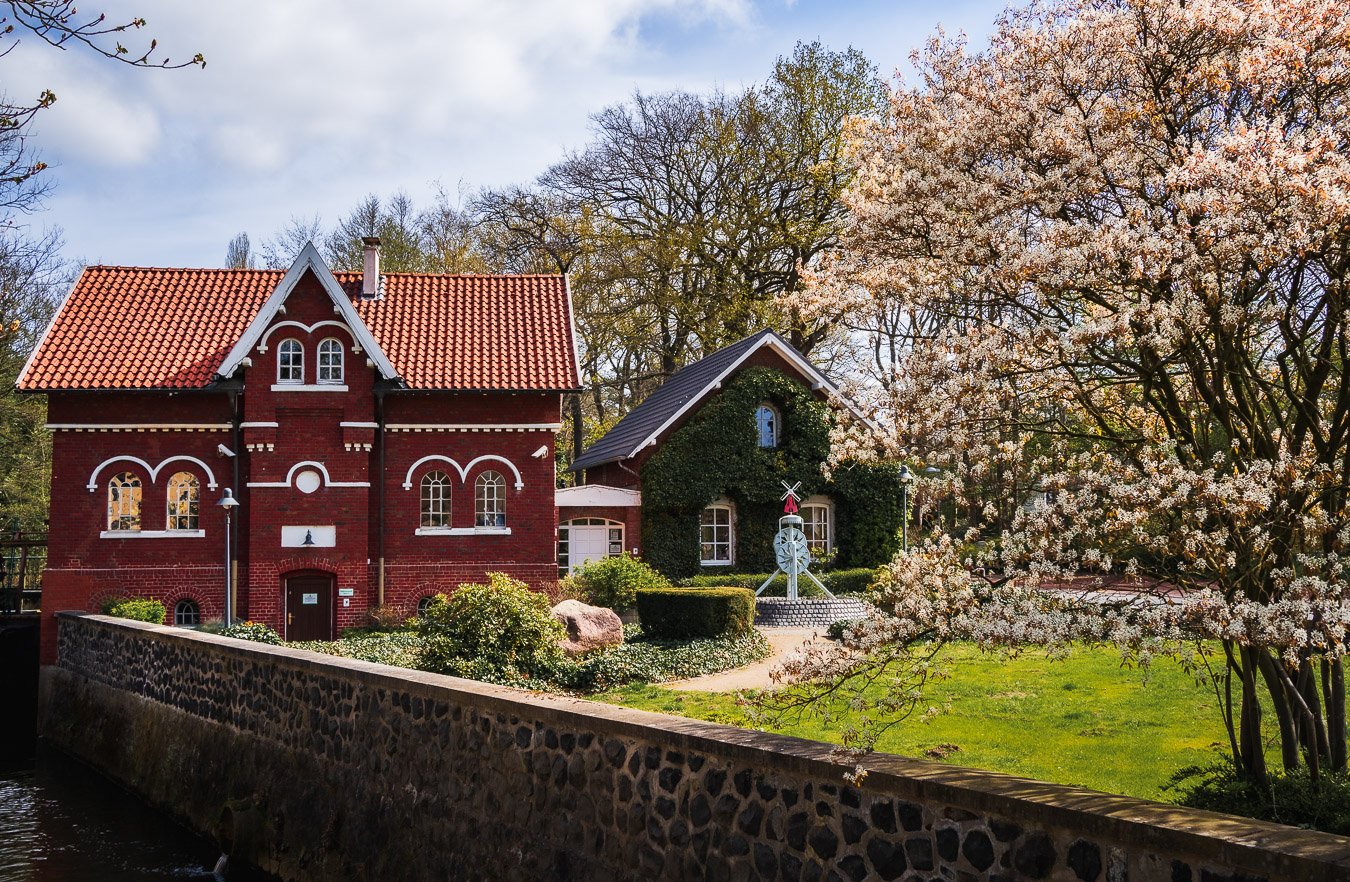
<point>309,259</point>
<point>51,324</point>
<point>774,342</point>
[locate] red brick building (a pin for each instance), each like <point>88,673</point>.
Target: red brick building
<point>386,436</point>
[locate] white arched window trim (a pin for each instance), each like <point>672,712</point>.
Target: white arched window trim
<point>153,471</point>
<point>717,534</point>
<point>463,470</point>
<point>330,368</point>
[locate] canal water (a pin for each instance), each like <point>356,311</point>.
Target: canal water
<point>62,822</point>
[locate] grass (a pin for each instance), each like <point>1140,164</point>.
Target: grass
<point>1083,720</point>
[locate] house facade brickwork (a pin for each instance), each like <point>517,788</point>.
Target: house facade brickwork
<point>382,445</point>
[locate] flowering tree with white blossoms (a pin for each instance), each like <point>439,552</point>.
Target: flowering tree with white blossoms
<point>1124,232</point>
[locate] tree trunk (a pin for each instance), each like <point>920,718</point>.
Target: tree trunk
<point>1284,714</point>
<point>1333,678</point>
<point>1253,758</point>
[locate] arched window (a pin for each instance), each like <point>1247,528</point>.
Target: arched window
<point>818,525</point>
<point>489,500</point>
<point>435,499</point>
<point>330,361</point>
<point>423,603</point>
<point>290,362</point>
<point>124,502</point>
<point>184,501</point>
<point>714,535</point>
<point>186,613</point>
<point>766,425</point>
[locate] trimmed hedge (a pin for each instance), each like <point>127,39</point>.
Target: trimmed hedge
<point>696,612</point>
<point>141,609</point>
<point>840,582</point>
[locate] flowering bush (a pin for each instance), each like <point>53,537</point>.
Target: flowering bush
<point>250,630</point>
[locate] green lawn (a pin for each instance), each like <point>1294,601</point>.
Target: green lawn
<point>1084,720</point>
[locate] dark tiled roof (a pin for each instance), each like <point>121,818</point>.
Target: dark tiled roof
<point>144,328</point>
<point>688,383</point>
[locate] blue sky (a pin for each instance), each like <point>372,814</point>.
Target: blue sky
<point>305,106</point>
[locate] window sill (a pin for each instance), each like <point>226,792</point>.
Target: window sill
<point>714,563</point>
<point>463,531</point>
<point>309,387</point>
<point>152,534</point>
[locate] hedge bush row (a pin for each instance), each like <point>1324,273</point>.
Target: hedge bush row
<point>141,609</point>
<point>696,612</point>
<point>840,582</point>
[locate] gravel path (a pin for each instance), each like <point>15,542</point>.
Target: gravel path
<point>754,676</point>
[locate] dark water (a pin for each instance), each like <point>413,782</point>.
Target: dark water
<point>62,822</point>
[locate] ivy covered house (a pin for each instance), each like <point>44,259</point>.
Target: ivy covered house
<point>691,477</point>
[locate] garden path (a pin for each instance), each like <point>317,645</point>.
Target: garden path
<point>753,676</point>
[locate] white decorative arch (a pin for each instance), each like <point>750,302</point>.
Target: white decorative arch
<point>435,457</point>
<point>153,471</point>
<point>308,329</point>
<point>465,469</point>
<point>312,464</point>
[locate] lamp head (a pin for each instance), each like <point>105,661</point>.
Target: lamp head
<point>228,502</point>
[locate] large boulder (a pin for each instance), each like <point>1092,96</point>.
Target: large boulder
<point>588,627</point>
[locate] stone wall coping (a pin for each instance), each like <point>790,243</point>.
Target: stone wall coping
<point>1265,847</point>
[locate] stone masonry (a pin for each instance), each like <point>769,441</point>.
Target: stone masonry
<point>779,612</point>
<point>315,767</point>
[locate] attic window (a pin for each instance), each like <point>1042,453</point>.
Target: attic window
<point>330,361</point>
<point>766,425</point>
<point>290,362</point>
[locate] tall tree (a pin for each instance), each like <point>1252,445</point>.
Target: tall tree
<point>238,254</point>
<point>1124,231</point>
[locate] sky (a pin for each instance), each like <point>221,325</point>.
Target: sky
<point>307,106</point>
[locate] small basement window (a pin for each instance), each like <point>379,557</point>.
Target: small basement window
<point>187,614</point>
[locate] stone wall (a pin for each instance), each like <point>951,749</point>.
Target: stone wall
<point>315,767</point>
<point>779,612</point>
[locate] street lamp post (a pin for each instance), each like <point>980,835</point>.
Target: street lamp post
<point>229,503</point>
<point>906,480</point>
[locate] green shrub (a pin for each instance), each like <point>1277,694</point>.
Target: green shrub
<point>840,582</point>
<point>400,648</point>
<point>142,609</point>
<point>642,660</point>
<point>502,625</point>
<point>696,612</point>
<point>250,630</point>
<point>615,581</point>
<point>1293,797</point>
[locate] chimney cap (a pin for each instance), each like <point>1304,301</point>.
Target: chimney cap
<point>371,241</point>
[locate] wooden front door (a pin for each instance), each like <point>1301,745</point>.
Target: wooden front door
<point>309,607</point>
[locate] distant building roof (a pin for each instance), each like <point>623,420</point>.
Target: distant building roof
<point>152,328</point>
<point>643,424</point>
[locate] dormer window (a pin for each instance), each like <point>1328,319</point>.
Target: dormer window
<point>766,425</point>
<point>290,362</point>
<point>330,361</point>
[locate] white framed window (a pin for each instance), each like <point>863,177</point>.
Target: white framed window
<point>818,525</point>
<point>715,540</point>
<point>435,499</point>
<point>423,603</point>
<point>330,361</point>
<point>290,362</point>
<point>186,613</point>
<point>489,500</point>
<point>184,502</point>
<point>124,502</point>
<point>766,425</point>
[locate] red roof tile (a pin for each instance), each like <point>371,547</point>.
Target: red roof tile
<point>139,328</point>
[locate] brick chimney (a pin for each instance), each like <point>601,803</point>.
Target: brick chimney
<point>370,278</point>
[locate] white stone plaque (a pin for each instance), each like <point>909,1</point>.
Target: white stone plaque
<point>312,536</point>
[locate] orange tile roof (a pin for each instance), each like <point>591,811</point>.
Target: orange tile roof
<point>142,328</point>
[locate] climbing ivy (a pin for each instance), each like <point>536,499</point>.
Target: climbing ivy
<point>717,454</point>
